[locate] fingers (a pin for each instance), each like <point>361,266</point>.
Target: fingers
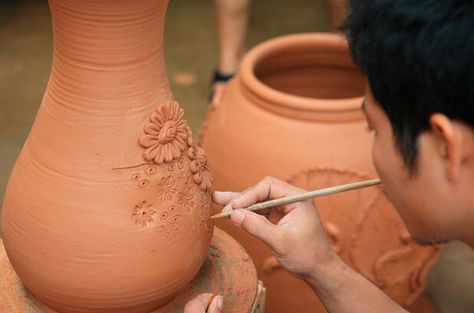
<point>198,304</point>
<point>203,304</point>
<point>267,189</point>
<point>217,305</point>
<point>258,226</point>
<point>223,197</point>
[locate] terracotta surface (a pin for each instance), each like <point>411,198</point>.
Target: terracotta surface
<point>293,112</point>
<point>107,208</point>
<point>217,275</point>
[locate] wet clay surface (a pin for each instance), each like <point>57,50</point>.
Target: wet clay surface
<point>227,270</point>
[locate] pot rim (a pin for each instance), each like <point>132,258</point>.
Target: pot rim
<point>281,101</point>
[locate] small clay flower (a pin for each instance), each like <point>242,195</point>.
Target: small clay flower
<point>198,166</point>
<point>143,214</point>
<point>181,163</point>
<point>190,140</point>
<point>186,200</point>
<point>166,135</point>
<point>166,188</point>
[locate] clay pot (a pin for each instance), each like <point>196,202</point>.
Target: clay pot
<point>294,112</point>
<point>107,207</point>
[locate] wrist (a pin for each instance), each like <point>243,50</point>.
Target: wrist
<point>328,274</point>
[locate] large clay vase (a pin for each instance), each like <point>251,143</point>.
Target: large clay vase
<point>294,112</point>
<point>107,206</point>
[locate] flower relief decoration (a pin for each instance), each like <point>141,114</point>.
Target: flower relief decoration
<point>143,214</point>
<point>165,139</point>
<point>201,174</point>
<point>166,134</point>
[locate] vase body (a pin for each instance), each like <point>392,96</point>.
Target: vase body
<point>107,207</point>
<point>294,112</point>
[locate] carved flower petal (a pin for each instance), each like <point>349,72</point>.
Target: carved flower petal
<point>147,141</point>
<point>152,129</point>
<point>157,118</point>
<point>175,150</point>
<point>190,140</point>
<point>197,177</point>
<point>181,134</point>
<point>180,114</point>
<point>191,153</point>
<point>168,152</point>
<point>160,156</point>
<point>180,146</point>
<point>150,153</point>
<point>176,147</point>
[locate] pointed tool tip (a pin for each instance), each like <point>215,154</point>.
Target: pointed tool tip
<point>219,215</point>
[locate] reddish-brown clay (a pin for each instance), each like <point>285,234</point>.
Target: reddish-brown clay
<point>107,208</point>
<point>294,112</point>
<point>228,270</point>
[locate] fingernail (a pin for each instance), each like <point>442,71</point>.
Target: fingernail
<point>220,303</point>
<point>208,296</point>
<point>237,217</point>
<point>227,208</point>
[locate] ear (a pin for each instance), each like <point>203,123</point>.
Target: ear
<point>449,144</point>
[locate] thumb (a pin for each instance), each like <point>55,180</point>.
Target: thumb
<point>256,225</point>
<point>198,304</point>
<point>217,305</point>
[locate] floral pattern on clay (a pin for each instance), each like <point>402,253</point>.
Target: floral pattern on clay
<point>165,135</point>
<point>190,140</point>
<point>166,188</point>
<point>186,200</point>
<point>171,221</point>
<point>143,214</point>
<point>198,166</point>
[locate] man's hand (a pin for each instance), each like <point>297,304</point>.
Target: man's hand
<point>205,303</point>
<point>293,231</point>
<point>297,238</point>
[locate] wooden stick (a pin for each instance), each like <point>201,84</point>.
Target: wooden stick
<point>304,196</point>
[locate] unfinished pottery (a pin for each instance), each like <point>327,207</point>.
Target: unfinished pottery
<point>294,112</point>
<point>107,208</point>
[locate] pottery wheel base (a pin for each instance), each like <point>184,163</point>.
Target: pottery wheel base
<point>228,270</point>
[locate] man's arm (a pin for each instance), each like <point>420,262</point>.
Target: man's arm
<point>343,290</point>
<point>297,239</point>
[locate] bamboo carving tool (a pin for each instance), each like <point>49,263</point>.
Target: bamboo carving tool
<point>304,196</point>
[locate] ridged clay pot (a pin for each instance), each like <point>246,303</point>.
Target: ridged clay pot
<point>294,112</point>
<point>107,208</point>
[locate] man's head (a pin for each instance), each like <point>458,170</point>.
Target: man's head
<point>419,60</point>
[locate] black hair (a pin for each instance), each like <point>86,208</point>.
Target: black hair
<point>418,56</point>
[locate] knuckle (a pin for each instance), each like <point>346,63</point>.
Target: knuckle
<point>191,307</point>
<point>269,180</point>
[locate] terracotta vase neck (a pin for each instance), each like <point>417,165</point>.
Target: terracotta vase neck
<point>106,51</point>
